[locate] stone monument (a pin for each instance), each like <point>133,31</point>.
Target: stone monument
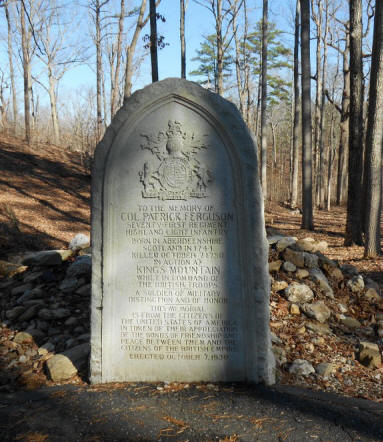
<point>180,284</point>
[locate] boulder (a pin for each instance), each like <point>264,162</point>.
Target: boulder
<point>301,367</point>
<point>278,285</point>
<point>301,273</point>
<point>297,258</point>
<point>23,338</point>
<point>306,244</point>
<point>274,266</point>
<point>317,310</point>
<point>299,293</point>
<point>80,241</point>
<point>311,260</point>
<point>280,355</point>
<point>46,258</point>
<point>372,295</point>
<point>350,322</point>
<point>356,284</point>
<point>82,266</point>
<point>319,278</point>
<point>60,368</point>
<point>325,369</point>
<point>289,267</point>
<point>285,242</point>
<point>369,355</point>
<point>317,327</point>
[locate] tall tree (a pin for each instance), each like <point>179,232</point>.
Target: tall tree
<point>153,40</point>
<point>307,204</point>
<point>353,234</point>
<point>11,70</point>
<point>207,56</point>
<point>96,6</point>
<point>374,140</point>
<point>131,48</point>
<point>264,101</point>
<point>26,60</point>
<point>115,73</point>
<point>182,38</point>
<point>295,160</point>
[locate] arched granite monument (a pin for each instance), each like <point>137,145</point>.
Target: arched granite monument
<point>180,284</point>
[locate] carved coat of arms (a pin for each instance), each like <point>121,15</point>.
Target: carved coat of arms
<point>174,173</point>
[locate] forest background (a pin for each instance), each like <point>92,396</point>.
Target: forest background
<point>299,72</point>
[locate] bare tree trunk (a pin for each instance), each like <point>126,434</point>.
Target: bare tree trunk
<point>116,80</point>
<point>26,66</point>
<point>98,69</point>
<point>182,38</point>
<point>240,86</point>
<point>153,40</point>
<point>330,161</point>
<point>53,103</point>
<point>374,140</point>
<point>344,128</point>
<point>131,49</point>
<point>321,176</point>
<point>11,70</point>
<point>218,27</point>
<point>264,101</point>
<point>295,161</point>
<point>307,206</point>
<point>318,95</point>
<point>353,234</point>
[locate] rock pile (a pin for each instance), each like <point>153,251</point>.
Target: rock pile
<point>326,320</point>
<point>47,299</point>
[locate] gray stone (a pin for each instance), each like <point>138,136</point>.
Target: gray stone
<point>82,266</point>
<point>317,310</point>
<point>274,266</point>
<point>278,285</point>
<point>317,327</point>
<point>78,354</point>
<point>369,355</point>
<point>372,295</point>
<point>301,273</point>
<point>80,241</point>
<point>23,338</point>
<point>20,289</point>
<point>306,245</point>
<point>311,260</point>
<point>30,313</point>
<point>273,239</point>
<point>44,258</point>
<point>295,257</point>
<point>178,232</point>
<point>280,355</point>
<point>71,321</point>
<point>275,339</point>
<point>301,367</point>
<point>60,368</point>
<point>350,322</point>
<point>285,242</point>
<point>356,284</point>
<point>36,333</point>
<point>45,314</point>
<point>68,285</point>
<point>319,278</point>
<point>15,312</point>
<point>60,313</point>
<point>325,369</point>
<point>299,293</point>
<point>289,267</point>
<point>84,290</point>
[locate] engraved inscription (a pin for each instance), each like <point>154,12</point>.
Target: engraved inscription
<point>175,173</point>
<point>178,310</point>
